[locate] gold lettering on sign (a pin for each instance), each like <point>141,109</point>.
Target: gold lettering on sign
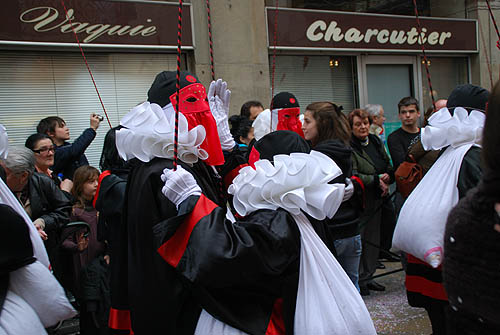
<point>47,18</point>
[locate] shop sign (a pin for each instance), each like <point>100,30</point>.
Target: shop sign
<point>327,30</point>
<point>96,23</point>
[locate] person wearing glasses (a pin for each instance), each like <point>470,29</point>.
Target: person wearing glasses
<point>43,147</point>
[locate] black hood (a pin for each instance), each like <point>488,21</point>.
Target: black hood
<point>469,97</point>
<point>338,152</point>
<point>110,195</point>
<point>281,142</point>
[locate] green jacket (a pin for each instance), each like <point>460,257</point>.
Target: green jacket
<point>364,168</point>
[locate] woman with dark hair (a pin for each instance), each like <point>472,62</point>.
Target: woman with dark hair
<point>328,131</point>
<point>43,147</point>
<point>372,165</point>
<point>241,129</point>
<point>110,159</point>
<point>472,243</point>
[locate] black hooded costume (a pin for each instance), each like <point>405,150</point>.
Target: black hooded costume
<point>160,301</point>
<point>245,273</point>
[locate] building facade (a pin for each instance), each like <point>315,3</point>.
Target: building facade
<point>350,52</point>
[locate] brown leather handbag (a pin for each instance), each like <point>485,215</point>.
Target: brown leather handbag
<point>408,175</point>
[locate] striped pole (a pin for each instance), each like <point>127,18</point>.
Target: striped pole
<point>178,84</point>
<point>275,42</point>
<point>85,60</point>
<point>425,57</point>
<point>211,46</point>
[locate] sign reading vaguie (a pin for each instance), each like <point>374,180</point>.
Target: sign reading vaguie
<point>95,22</point>
<point>322,30</point>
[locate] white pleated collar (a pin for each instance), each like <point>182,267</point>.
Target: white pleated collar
<point>455,130</point>
<point>149,133</point>
<point>296,182</point>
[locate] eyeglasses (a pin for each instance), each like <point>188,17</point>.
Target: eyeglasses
<point>44,150</point>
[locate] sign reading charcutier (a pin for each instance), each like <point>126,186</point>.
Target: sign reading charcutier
<point>96,23</point>
<point>327,30</point>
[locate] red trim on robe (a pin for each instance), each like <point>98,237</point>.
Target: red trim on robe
<point>276,324</point>
<point>426,287</point>
<point>421,285</point>
<point>228,179</point>
<point>101,177</point>
<point>119,319</point>
<point>173,249</point>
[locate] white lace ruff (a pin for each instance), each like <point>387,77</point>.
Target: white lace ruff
<point>295,182</point>
<point>461,128</point>
<point>149,133</point>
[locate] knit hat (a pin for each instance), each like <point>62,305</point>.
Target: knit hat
<point>468,96</point>
<point>284,100</point>
<point>164,86</point>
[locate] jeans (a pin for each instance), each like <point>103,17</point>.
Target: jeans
<point>348,255</point>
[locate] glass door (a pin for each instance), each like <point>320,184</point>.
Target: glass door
<point>385,80</point>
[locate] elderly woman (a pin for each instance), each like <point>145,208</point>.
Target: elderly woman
<point>372,165</point>
<point>43,147</point>
<point>45,204</point>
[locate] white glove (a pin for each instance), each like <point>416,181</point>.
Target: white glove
<point>218,99</point>
<point>349,189</point>
<point>179,185</point>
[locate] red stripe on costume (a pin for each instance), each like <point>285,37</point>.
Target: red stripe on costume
<point>426,287</point>
<point>276,324</point>
<point>101,177</point>
<point>174,248</point>
<point>228,179</point>
<point>119,319</point>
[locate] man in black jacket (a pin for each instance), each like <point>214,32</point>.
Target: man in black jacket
<point>68,156</point>
<point>44,202</point>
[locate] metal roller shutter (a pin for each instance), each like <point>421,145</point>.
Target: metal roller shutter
<point>317,78</point>
<point>34,85</point>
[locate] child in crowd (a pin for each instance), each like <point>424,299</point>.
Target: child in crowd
<point>68,156</point>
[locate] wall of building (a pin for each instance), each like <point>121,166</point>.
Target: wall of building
<point>485,66</point>
<point>239,47</point>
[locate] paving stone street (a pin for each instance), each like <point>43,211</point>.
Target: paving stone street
<point>389,309</point>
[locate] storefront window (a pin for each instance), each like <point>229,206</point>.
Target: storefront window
<point>446,73</point>
<point>317,78</point>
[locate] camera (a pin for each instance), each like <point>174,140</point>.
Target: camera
<point>100,117</point>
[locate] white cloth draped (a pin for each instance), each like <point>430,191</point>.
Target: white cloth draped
<point>327,301</point>
<point>422,220</point>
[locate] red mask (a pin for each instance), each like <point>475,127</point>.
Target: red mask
<point>194,106</point>
<point>288,119</point>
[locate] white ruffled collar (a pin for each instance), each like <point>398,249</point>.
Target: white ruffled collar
<point>149,133</point>
<point>295,182</point>
<point>460,129</point>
